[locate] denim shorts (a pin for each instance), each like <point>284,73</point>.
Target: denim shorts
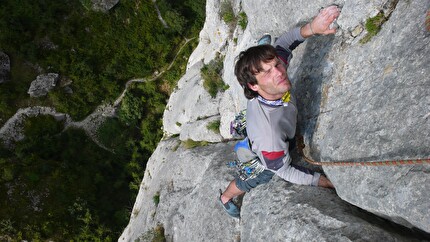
<point>262,178</point>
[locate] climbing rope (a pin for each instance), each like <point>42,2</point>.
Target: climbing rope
<point>369,163</point>
<point>301,145</point>
<point>238,129</point>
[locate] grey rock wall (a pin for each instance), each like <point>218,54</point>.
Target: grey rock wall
<point>187,183</point>
<point>374,105</point>
<point>357,102</point>
<point>189,104</point>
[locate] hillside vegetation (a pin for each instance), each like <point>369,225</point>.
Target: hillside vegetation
<point>57,184</point>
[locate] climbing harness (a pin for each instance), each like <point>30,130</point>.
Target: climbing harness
<point>247,164</point>
<point>248,169</point>
<point>238,125</point>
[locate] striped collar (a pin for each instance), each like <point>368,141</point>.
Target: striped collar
<point>280,102</point>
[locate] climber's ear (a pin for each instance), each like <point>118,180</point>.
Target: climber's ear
<point>253,87</point>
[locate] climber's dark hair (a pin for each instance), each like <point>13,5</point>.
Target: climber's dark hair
<point>249,64</point>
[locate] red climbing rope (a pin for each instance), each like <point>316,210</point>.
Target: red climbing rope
<point>301,145</point>
<point>369,163</point>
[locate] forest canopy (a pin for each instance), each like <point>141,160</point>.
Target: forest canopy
<point>57,184</point>
<point>97,51</point>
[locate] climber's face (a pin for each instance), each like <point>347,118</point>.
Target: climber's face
<point>272,81</point>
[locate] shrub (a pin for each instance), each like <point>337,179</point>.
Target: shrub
<point>131,109</point>
<point>189,143</point>
<point>212,75</point>
<point>116,136</point>
<point>229,17</point>
<point>227,12</point>
<point>99,52</point>
<point>155,234</point>
<point>243,20</point>
<point>6,226</point>
<point>69,166</point>
<point>214,126</point>
<point>373,26</point>
<point>86,4</point>
<point>156,198</point>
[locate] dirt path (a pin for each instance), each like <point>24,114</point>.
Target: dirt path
<point>127,85</point>
<point>12,130</point>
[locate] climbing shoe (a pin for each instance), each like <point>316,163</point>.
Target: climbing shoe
<point>266,39</point>
<point>230,207</point>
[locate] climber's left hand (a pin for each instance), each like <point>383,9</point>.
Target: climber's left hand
<point>321,23</point>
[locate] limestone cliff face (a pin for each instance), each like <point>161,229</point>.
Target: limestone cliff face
<point>357,102</point>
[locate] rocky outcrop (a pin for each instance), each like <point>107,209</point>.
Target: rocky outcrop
<point>4,67</point>
<point>357,102</point>
<point>103,5</point>
<point>178,111</point>
<point>187,181</point>
<point>13,130</point>
<point>43,84</point>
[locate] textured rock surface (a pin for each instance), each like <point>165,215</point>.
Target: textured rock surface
<point>357,102</point>
<point>199,131</point>
<point>103,5</point>
<point>188,194</point>
<point>374,106</point>
<point>190,102</point>
<point>301,213</point>
<point>187,183</point>
<point>43,84</point>
<point>12,130</point>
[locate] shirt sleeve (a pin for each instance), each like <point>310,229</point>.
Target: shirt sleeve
<point>287,42</point>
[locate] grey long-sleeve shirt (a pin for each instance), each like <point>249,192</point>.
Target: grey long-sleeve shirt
<point>269,127</point>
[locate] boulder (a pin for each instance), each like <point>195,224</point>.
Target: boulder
<point>43,84</point>
<point>103,5</point>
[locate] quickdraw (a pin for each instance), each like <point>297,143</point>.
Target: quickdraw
<point>250,169</point>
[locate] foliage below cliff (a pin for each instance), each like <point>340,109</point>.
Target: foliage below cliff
<point>59,185</point>
<point>99,52</point>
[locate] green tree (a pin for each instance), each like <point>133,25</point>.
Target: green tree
<point>131,109</point>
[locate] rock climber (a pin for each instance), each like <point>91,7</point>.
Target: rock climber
<point>271,113</point>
